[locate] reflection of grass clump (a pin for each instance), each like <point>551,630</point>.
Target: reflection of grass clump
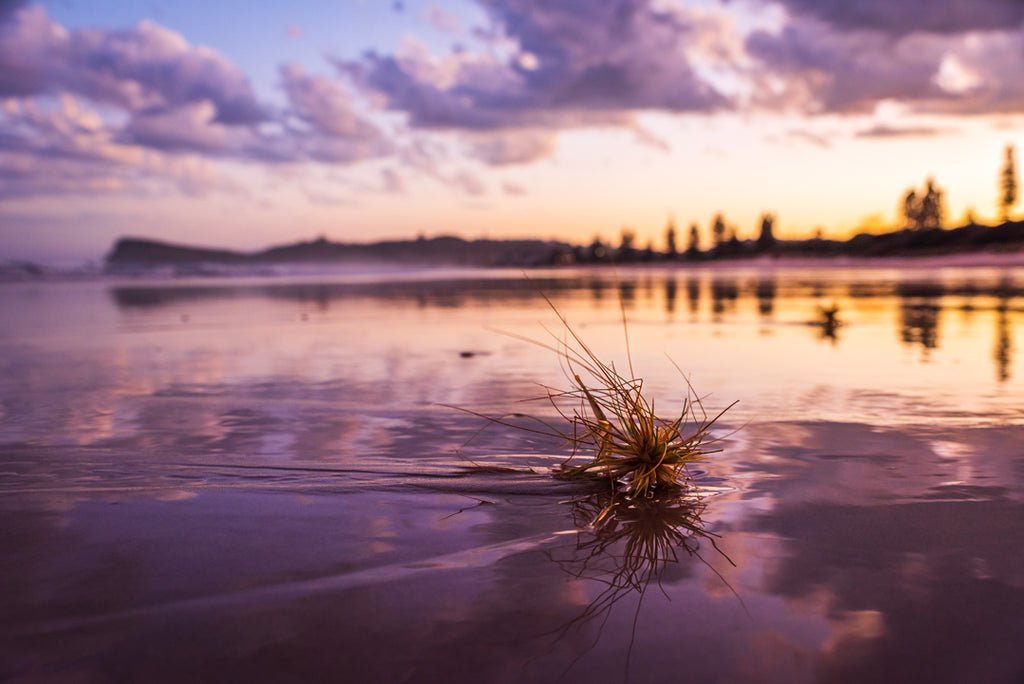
<point>625,544</point>
<point>609,418</point>
<point>640,535</point>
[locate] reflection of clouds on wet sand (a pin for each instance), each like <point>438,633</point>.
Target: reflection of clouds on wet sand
<point>916,567</point>
<point>907,543</point>
<point>838,586</point>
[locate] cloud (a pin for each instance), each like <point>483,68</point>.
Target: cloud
<point>27,175</point>
<point>391,181</point>
<point>102,108</point>
<point>884,131</point>
<point>512,188</point>
<point>846,72</point>
<point>442,20</point>
<point>647,137</point>
<point>65,148</point>
<point>185,128</point>
<point>31,49</point>
<point>147,67</point>
<point>159,96</point>
<point>65,129</point>
<point>549,68</point>
<point>983,74</point>
<point>901,17</point>
<point>467,183</point>
<point>176,96</point>
<point>193,175</point>
<point>511,147</point>
<point>946,57</point>
<point>154,68</point>
<point>323,105</point>
<point>543,67</point>
<point>423,154</point>
<point>328,200</point>
<point>816,139</point>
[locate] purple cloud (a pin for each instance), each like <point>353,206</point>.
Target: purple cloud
<point>900,17</point>
<point>152,68</point>
<point>932,56</point>
<point>158,93</point>
<point>322,104</point>
<point>501,148</point>
<point>573,62</point>
<point>31,48</point>
<point>144,68</point>
<point>65,148</point>
<point>849,72</point>
<point>64,129</point>
<point>187,128</point>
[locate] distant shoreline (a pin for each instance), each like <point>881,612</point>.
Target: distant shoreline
<point>965,247</point>
<point>972,244</point>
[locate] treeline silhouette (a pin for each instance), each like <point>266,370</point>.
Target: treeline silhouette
<point>925,241</point>
<point>922,233</point>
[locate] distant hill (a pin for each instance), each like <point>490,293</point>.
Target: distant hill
<point>136,252</point>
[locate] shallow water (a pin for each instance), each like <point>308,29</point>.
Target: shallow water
<point>259,478</point>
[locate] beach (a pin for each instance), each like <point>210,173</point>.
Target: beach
<point>288,478</point>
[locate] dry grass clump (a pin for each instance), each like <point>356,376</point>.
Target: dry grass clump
<point>609,418</point>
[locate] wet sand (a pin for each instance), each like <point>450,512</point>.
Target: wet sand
<point>226,480</point>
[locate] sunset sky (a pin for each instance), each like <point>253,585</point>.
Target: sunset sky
<point>248,123</point>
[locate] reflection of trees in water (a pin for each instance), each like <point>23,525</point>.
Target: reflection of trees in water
<point>1003,352</point>
<point>919,308</point>
<point>766,297</point>
<point>828,323</point>
<point>693,294</point>
<point>626,544</point>
<point>919,324</point>
<point>627,293</point>
<point>649,291</point>
<point>597,288</point>
<point>670,295</point>
<point>724,294</point>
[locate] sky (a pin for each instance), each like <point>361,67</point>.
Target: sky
<point>244,124</point>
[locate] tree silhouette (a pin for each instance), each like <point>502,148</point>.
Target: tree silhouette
<point>670,239</point>
<point>734,239</point>
<point>1008,185</point>
<point>969,219</point>
<point>648,253</point>
<point>766,240</point>
<point>718,229</point>
<point>925,209</point>
<point>597,251</point>
<point>910,208</point>
<point>694,247</point>
<point>627,251</point>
